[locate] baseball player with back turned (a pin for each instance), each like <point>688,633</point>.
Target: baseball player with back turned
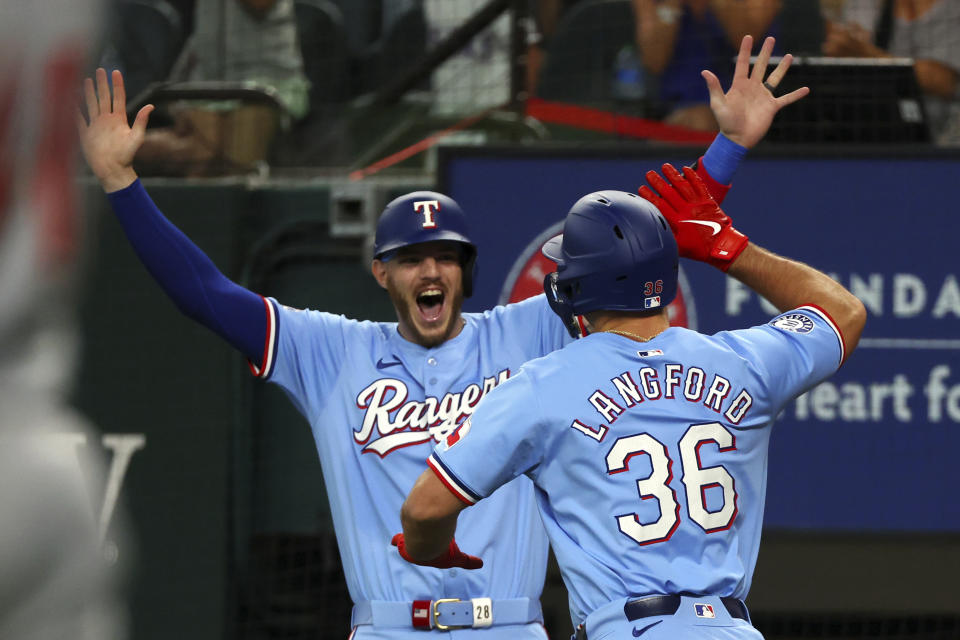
<point>377,395</point>
<point>646,444</point>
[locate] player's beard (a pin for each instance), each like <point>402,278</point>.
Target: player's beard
<point>426,334</point>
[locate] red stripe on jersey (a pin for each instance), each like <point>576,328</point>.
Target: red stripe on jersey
<point>449,483</point>
<point>268,346</point>
<point>833,325</point>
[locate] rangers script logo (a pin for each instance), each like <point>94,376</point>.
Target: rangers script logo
<point>525,279</point>
<point>400,423</point>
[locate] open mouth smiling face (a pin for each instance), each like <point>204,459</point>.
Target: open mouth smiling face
<point>425,282</point>
<point>430,303</point>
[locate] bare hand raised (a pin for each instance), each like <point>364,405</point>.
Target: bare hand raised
<point>108,142</point>
<point>746,110</point>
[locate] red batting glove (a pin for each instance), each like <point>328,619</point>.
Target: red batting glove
<point>452,557</point>
<point>703,231</point>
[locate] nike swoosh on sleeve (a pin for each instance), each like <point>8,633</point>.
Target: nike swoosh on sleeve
<point>713,225</point>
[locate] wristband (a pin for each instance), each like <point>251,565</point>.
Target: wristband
<point>723,158</point>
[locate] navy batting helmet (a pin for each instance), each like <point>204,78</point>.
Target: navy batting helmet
<point>616,252</point>
<point>425,216</point>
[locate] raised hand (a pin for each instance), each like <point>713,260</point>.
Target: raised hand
<point>746,110</point>
<point>703,231</point>
<point>452,557</point>
<point>108,142</point>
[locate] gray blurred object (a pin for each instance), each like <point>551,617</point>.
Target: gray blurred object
<point>54,580</point>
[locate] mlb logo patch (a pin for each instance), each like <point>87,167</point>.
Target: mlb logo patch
<point>651,353</point>
<point>704,610</point>
<point>651,303</point>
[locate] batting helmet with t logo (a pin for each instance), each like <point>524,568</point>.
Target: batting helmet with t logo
<point>425,216</point>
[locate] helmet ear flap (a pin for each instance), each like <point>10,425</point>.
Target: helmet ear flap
<point>562,306</point>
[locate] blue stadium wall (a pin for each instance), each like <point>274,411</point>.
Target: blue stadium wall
<point>874,448</point>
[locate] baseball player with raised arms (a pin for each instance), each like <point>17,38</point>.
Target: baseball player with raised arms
<point>646,444</point>
<point>379,395</point>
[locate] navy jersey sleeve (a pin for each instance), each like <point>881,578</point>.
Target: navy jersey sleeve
<point>503,439</point>
<point>792,352</point>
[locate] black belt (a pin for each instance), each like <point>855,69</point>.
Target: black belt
<point>666,606</point>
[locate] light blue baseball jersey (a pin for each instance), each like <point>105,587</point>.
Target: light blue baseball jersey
<point>377,404</point>
<point>649,459</point>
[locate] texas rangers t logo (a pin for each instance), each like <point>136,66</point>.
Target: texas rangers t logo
<point>427,208</point>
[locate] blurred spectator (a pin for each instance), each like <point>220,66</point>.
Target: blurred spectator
<point>927,31</point>
<point>367,21</point>
<point>478,75</point>
<point>143,39</point>
<point>546,15</point>
<point>54,581</point>
<point>679,38</point>
<point>246,42</point>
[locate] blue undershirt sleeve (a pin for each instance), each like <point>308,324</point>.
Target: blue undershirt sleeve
<point>199,290</point>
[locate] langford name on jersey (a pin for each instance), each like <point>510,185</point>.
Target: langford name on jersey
<point>672,383</point>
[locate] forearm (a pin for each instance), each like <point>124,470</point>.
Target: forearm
<point>118,180</point>
<point>936,78</point>
<point>188,276</point>
<point>429,517</point>
<point>933,76</point>
<point>548,15</point>
<point>428,538</point>
<point>656,37</point>
<point>789,284</point>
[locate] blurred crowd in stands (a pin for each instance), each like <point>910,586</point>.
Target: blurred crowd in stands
<point>302,82</point>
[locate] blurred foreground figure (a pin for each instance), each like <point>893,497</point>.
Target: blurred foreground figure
<point>54,582</point>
